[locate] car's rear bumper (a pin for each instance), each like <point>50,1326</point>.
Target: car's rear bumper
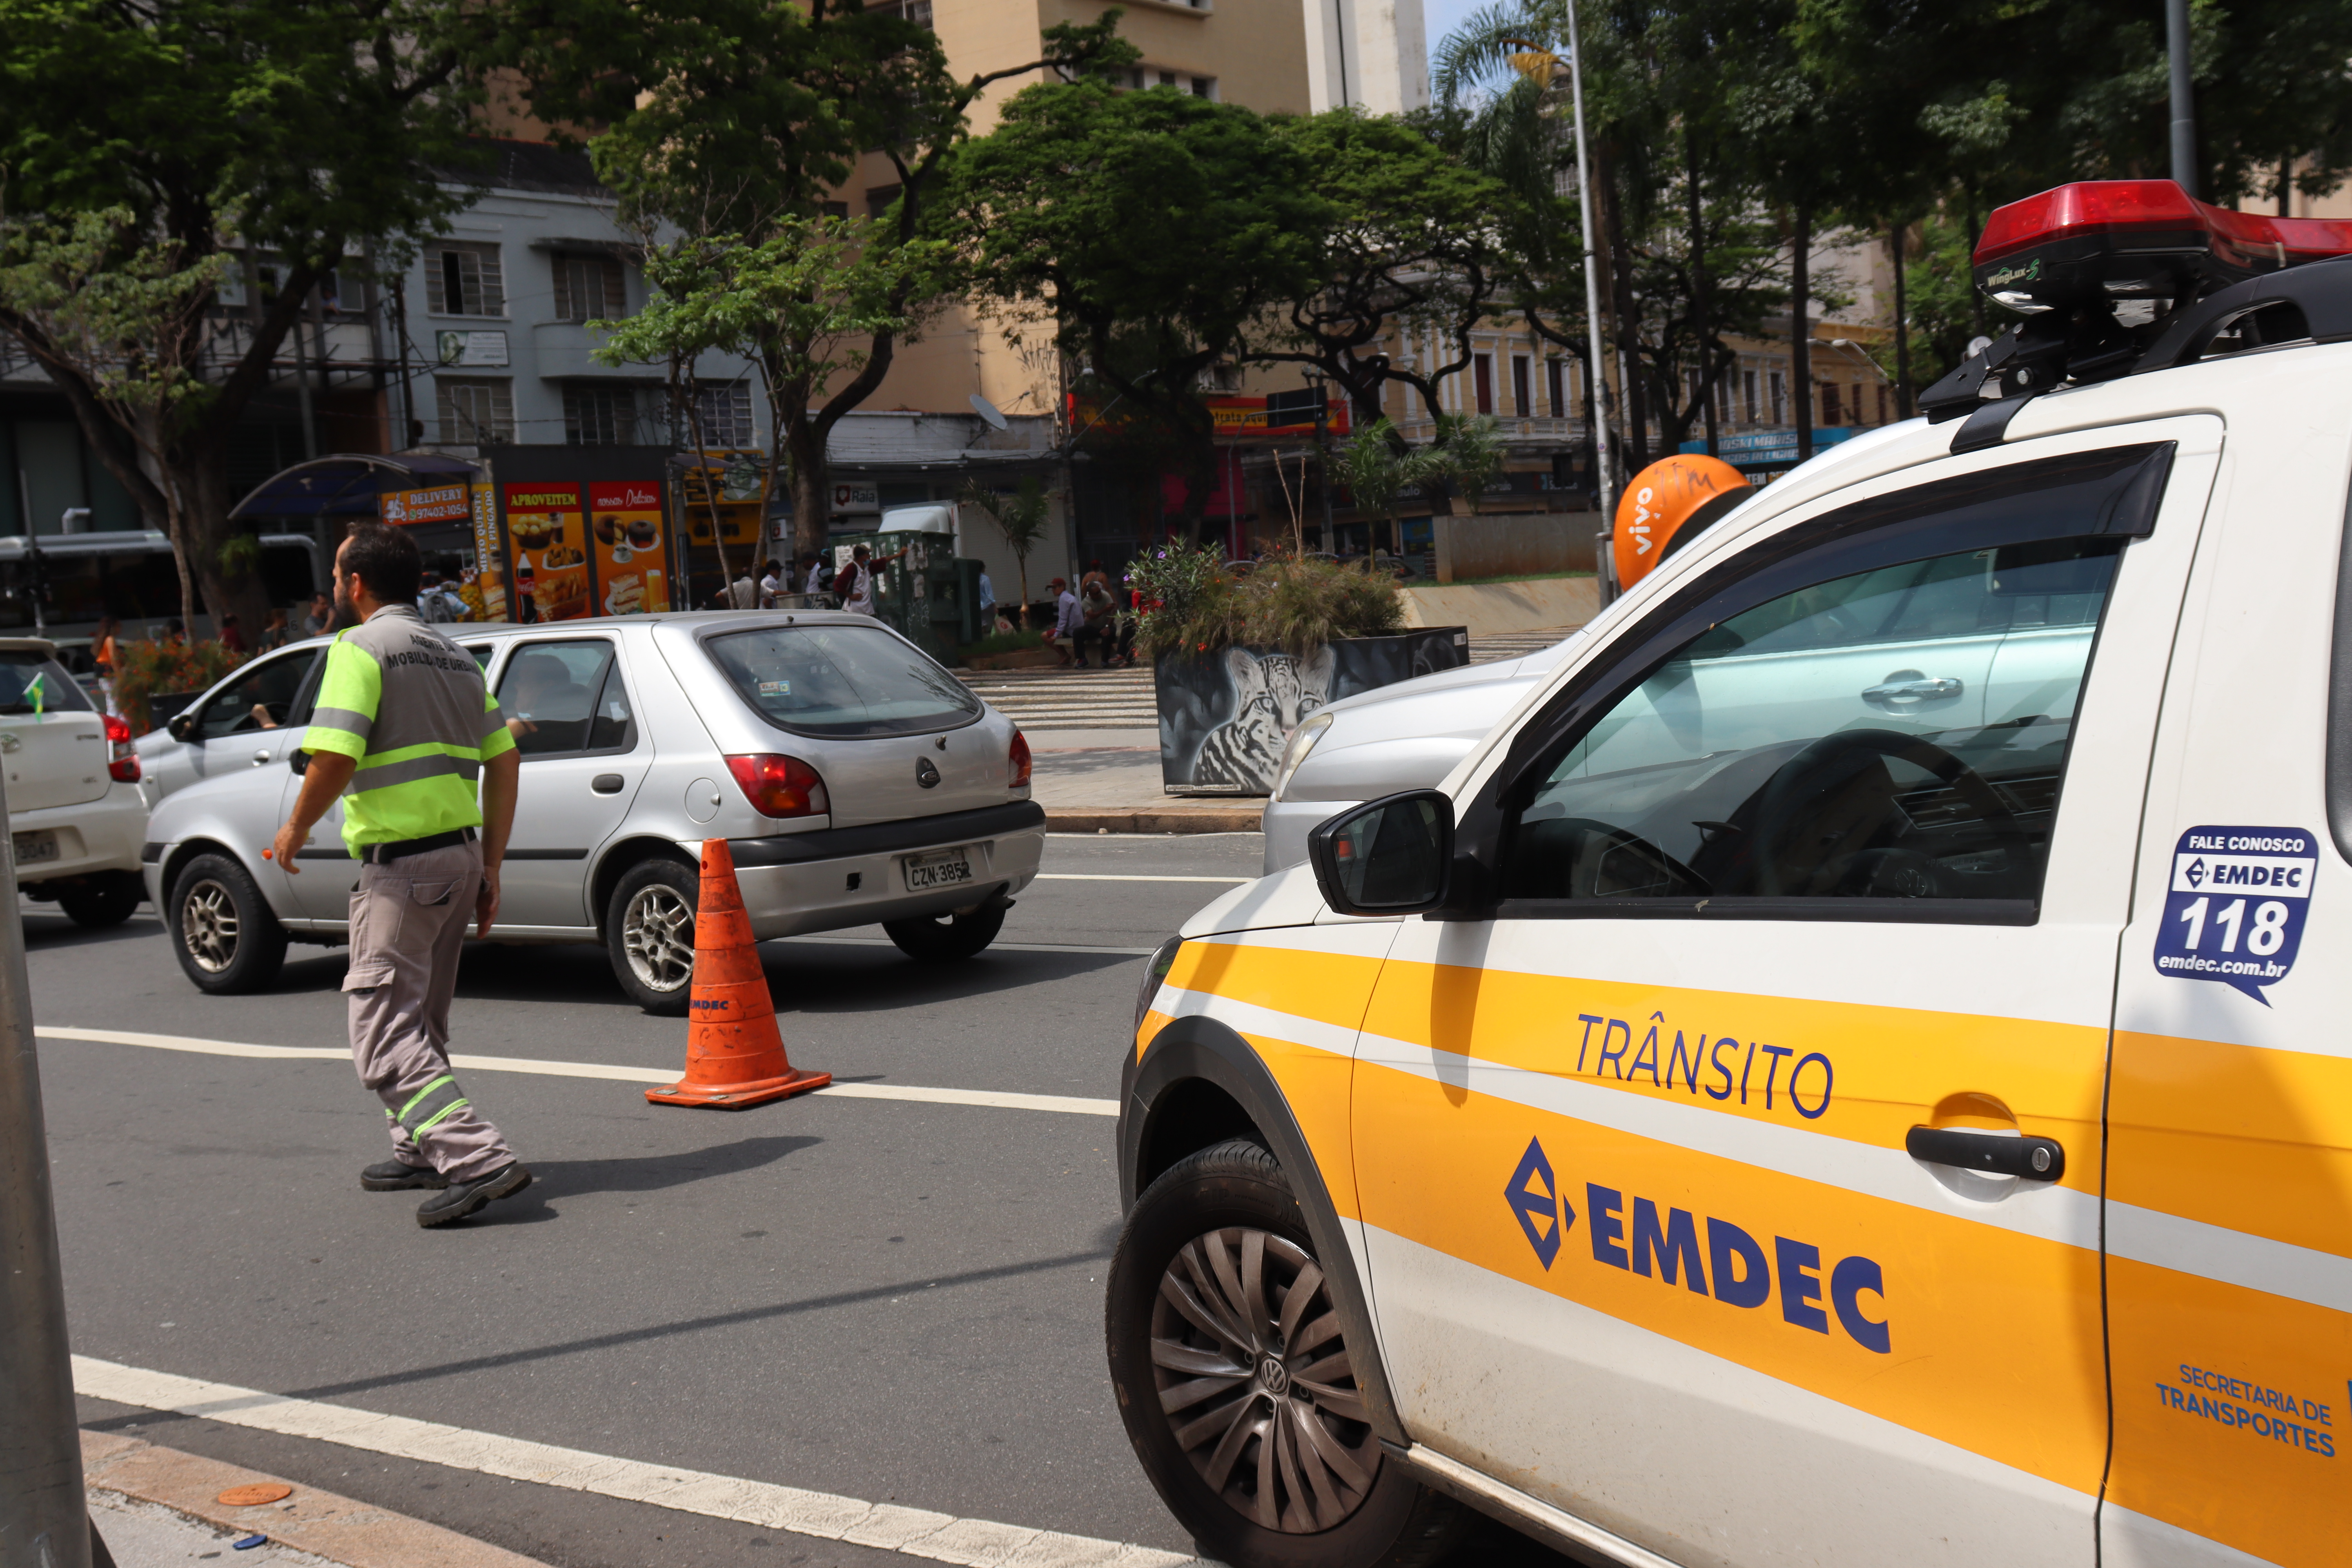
<point>101,835</point>
<point>855,876</point>
<point>1286,825</point>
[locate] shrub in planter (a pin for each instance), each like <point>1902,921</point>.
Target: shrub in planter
<point>146,669</point>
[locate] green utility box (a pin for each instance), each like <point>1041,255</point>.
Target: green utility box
<point>926,594</point>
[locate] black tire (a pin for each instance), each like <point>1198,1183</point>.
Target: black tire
<point>651,952</point>
<point>946,938</point>
<point>223,932</point>
<point>1233,1197</point>
<point>106,900</point>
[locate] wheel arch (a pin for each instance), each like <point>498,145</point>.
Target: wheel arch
<point>619,859</point>
<point>188,850</point>
<point>1200,1083</point>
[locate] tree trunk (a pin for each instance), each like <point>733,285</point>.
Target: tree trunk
<point>230,581</point>
<point>1620,271</point>
<point>811,485</point>
<point>1800,331</point>
<point>1902,328</point>
<point>1699,286</point>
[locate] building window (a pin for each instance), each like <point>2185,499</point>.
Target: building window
<point>919,12</point>
<point>878,200</point>
<point>1830,409</point>
<point>599,415</point>
<point>474,411</point>
<point>1779,389</point>
<point>834,209</point>
<point>464,281</point>
<point>1522,403</point>
<point>725,413</point>
<point>1204,87</point>
<point>1554,378</point>
<point>1747,393</point>
<point>588,288</point>
<point>1482,370</point>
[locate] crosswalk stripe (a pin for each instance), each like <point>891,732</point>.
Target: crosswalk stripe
<point>995,1099</point>
<point>912,1531</point>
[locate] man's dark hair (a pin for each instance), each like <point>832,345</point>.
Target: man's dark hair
<point>774,564</point>
<point>386,560</point>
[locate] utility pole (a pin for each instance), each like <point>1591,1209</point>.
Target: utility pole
<point>2184,102</point>
<point>1596,392</point>
<point>44,1517</point>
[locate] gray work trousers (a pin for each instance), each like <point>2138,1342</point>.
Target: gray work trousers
<point>408,920</point>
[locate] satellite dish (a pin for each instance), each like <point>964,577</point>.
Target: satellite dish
<point>988,411</point>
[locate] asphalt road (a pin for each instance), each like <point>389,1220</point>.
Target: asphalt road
<point>895,1301</point>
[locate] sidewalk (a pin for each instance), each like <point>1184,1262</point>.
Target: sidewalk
<point>157,1506</point>
<point>1107,781</point>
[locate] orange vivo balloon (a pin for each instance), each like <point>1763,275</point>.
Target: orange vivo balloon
<point>1667,506</point>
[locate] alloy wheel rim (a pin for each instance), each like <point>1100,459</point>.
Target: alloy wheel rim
<point>208,926</point>
<point>657,933</point>
<point>1255,1382</point>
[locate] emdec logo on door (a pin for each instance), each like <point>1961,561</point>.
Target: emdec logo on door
<point>2234,911</point>
<point>1732,1266</point>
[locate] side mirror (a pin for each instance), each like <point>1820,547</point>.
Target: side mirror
<point>298,759</point>
<point>1389,857</point>
<point>182,727</point>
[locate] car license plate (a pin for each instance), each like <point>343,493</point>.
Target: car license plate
<point>944,868</point>
<point>42,845</point>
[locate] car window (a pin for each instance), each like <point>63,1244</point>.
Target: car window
<point>1893,733</point>
<point>565,699</point>
<point>261,698</point>
<point>33,683</point>
<point>481,652</point>
<point>848,682</point>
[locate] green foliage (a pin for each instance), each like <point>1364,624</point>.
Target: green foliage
<point>145,669</point>
<point>1468,455</point>
<point>1020,517</point>
<point>1940,295</point>
<point>1194,606</point>
<point>1378,468</point>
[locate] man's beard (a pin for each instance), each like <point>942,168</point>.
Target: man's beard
<point>346,616</point>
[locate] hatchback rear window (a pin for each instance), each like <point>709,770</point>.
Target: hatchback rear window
<point>850,681</point>
<point>33,683</point>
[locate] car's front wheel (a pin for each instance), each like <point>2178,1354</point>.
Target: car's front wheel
<point>650,935</point>
<point>107,898</point>
<point>1234,1379</point>
<point>947,937</point>
<point>223,932</point>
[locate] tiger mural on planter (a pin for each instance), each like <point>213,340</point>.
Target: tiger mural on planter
<point>1273,692</point>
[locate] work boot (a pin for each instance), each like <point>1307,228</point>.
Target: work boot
<point>395,1176</point>
<point>465,1198</point>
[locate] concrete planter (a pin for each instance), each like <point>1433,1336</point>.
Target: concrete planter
<point>1226,717</point>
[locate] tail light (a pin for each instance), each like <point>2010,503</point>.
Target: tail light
<point>121,762</point>
<point>1016,766</point>
<point>779,785</point>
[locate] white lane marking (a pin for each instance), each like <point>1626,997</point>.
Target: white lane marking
<point>916,1532</point>
<point>994,1099</point>
<point>992,947</point>
<point>1104,876</point>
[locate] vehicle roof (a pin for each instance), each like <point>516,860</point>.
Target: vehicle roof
<point>38,645</point>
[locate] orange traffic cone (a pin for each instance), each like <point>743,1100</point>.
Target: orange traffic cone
<point>734,1052</point>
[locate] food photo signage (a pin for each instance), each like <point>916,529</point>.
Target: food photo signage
<point>438,503</point>
<point>549,538</point>
<point>624,525</point>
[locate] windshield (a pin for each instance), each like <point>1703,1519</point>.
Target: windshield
<point>848,682</point>
<point>31,682</point>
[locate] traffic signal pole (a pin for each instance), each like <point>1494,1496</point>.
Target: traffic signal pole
<point>44,1517</point>
<point>2184,100</point>
<point>1597,401</point>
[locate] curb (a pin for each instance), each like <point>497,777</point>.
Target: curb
<point>355,1534</point>
<point>1174,819</point>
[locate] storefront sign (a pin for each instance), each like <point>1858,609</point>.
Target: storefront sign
<point>625,523</point>
<point>463,349</point>
<point>489,573</point>
<point>440,503</point>
<point>741,501</point>
<point>550,559</point>
<point>857,497</point>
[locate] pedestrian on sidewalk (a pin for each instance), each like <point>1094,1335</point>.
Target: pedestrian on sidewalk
<point>856,583</point>
<point>1069,622</point>
<point>403,725</point>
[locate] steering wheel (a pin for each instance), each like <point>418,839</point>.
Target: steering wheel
<point>1802,772</point>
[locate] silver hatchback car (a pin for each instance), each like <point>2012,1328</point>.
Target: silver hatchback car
<point>854,780</point>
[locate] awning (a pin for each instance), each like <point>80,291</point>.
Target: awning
<point>346,484</point>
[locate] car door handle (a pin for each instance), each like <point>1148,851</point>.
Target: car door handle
<point>2001,1153</point>
<point>261,757</point>
<point>1927,689</point>
<point>607,783</point>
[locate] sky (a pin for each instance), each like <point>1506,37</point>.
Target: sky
<point>1442,16</point>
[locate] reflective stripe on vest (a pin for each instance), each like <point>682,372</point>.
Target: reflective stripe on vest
<point>430,1104</point>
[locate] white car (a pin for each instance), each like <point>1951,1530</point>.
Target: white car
<point>75,816</point>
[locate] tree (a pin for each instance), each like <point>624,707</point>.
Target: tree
<point>1468,455</point>
<point>301,131</point>
<point>1407,246</point>
<point>1020,517</point>
<point>1379,468</point>
<point>1157,233</point>
<point>128,318</point>
<point>803,304</point>
<point>746,119</point>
